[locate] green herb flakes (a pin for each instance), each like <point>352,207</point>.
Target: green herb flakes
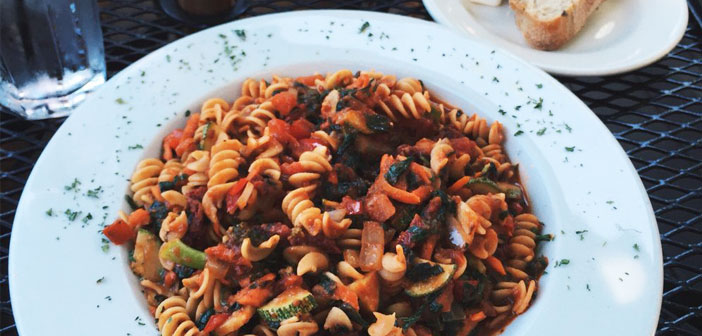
<point>363,28</point>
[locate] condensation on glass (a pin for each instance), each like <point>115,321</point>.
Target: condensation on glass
<point>51,55</point>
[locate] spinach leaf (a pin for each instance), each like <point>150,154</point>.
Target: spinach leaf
<point>377,123</point>
<point>423,271</point>
<point>397,169</point>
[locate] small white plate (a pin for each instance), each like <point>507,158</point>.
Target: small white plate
<point>621,36</point>
<point>579,178</point>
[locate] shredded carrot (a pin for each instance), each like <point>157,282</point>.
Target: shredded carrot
<point>138,218</point>
<point>456,186</point>
<point>399,194</point>
<point>479,316</point>
<point>309,80</point>
<point>422,173</point>
<point>495,264</point>
<point>423,192</point>
<point>191,125</point>
<point>428,247</point>
<point>184,146</point>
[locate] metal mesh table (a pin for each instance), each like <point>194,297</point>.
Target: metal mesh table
<point>655,113</point>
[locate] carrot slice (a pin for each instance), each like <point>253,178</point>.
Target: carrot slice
<point>479,316</point>
<point>138,218</point>
<point>399,194</point>
<point>495,264</point>
<point>456,186</point>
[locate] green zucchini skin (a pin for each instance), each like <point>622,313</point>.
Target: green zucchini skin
<point>292,302</point>
<point>434,283</point>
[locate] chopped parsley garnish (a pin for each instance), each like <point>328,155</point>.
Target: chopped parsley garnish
<point>494,79</point>
<point>73,186</point>
<point>518,107</point>
<point>137,146</point>
<point>187,113</point>
<point>541,131</point>
<point>562,262</point>
<point>120,101</point>
<point>502,112</point>
<point>581,233</point>
<point>636,247</point>
<point>99,281</point>
<point>539,103</point>
<point>539,85</point>
<point>87,217</point>
<point>570,149</point>
<point>588,287</point>
<point>363,28</point>
<point>105,245</point>
<point>241,33</point>
<point>94,193</point>
<point>517,133</point>
<point>568,128</point>
<point>610,202</point>
<point>71,214</point>
<point>50,212</point>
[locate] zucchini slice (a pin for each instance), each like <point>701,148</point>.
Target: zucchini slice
<point>146,263</point>
<point>483,185</point>
<point>434,283</point>
<point>292,302</point>
<point>511,191</point>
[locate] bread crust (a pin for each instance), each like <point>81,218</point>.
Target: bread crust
<point>553,33</point>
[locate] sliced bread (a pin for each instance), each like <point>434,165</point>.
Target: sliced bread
<point>549,24</point>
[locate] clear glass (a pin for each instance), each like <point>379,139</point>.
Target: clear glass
<point>51,55</point>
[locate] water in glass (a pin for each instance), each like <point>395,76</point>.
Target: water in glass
<point>51,55</point>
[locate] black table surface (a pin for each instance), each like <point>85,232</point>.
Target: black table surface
<point>654,112</point>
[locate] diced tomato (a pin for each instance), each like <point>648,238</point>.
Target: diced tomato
<point>291,168</point>
<point>309,80</point>
<point>352,206</point>
<point>169,279</point>
<point>173,139</point>
<point>289,280</point>
<point>119,232</point>
<point>301,128</point>
<point>284,102</point>
<point>379,207</point>
<point>343,293</point>
<point>309,144</point>
<point>214,322</point>
<point>305,145</point>
<point>280,130</point>
<point>139,218</point>
<point>234,193</point>
<point>228,255</point>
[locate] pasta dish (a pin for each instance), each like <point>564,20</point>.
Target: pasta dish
<point>351,203</point>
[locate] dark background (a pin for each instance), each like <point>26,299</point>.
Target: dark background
<point>654,112</point>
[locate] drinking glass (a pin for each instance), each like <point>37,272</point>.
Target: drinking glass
<point>51,55</point>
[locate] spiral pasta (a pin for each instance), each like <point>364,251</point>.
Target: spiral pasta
<point>144,178</point>
<point>173,319</point>
<point>346,203</point>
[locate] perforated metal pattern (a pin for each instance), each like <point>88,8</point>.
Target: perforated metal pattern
<point>655,113</point>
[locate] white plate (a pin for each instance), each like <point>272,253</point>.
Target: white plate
<point>622,35</point>
<point>62,283</point>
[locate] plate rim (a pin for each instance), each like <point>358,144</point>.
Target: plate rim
<point>139,64</point>
<point>434,9</point>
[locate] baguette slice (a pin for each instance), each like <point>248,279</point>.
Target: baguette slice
<point>549,24</point>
